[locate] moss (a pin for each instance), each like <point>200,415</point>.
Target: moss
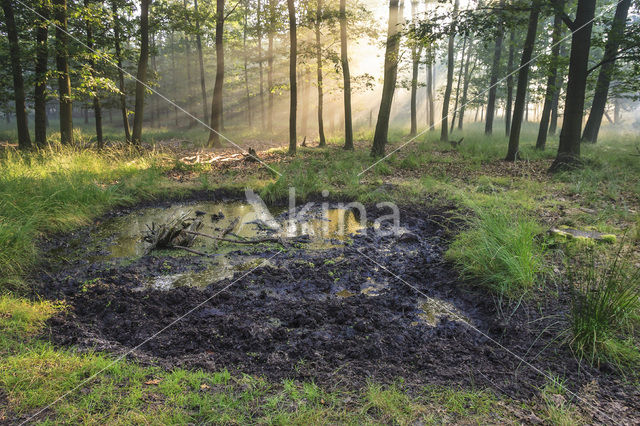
<point>608,238</point>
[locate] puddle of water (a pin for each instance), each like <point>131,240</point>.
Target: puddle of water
<point>432,310</point>
<point>125,233</point>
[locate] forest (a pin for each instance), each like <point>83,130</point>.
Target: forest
<point>320,211</point>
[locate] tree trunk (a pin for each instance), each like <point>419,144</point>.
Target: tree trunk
<point>415,58</point>
<point>97,108</point>
<point>123,96</point>
<point>322,141</point>
<point>444,131</point>
<point>389,83</point>
<point>512,42</point>
<point>245,61</point>
<point>523,81</point>
<point>344,59</point>
<point>62,66</point>
<point>143,62</point>
<point>270,35</point>
<point>216,105</point>
<point>430,84</point>
<point>293,85</point>
<point>493,82</point>
<point>455,104</point>
<point>203,86</point>
<point>174,74</point>
<point>616,33</point>
<point>24,140</point>
<point>569,146</point>
<point>552,83</point>
<point>259,36</point>
<point>42,57</point>
<point>465,86</point>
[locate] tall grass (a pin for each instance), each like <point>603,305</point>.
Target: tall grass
<point>606,306</point>
<point>500,251</point>
<point>59,188</point>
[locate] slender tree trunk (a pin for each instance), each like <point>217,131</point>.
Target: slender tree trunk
<point>143,62</point>
<point>523,81</point>
<point>455,104</point>
<point>508,109</point>
<point>465,86</point>
<point>259,36</point>
<point>415,58</point>
<point>62,65</point>
<point>42,57</point>
<point>97,108</point>
<point>123,95</point>
<point>344,59</point>
<point>322,140</point>
<point>569,146</point>
<point>616,34</point>
<point>493,82</point>
<point>552,83</point>
<point>304,95</point>
<point>444,131</point>
<point>293,85</point>
<point>390,76</point>
<point>616,111</point>
<point>216,106</point>
<point>24,140</point>
<point>174,74</point>
<point>553,123</point>
<point>430,84</point>
<point>203,86</point>
<point>270,35</point>
<point>245,62</point>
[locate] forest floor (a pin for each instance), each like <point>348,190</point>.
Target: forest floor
<point>278,345</point>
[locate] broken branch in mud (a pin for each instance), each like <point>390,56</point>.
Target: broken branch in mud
<point>190,250</point>
<point>282,241</point>
<point>172,234</point>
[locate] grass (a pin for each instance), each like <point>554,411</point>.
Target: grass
<point>58,189</point>
<point>606,309</point>
<point>500,251</point>
<point>62,188</point>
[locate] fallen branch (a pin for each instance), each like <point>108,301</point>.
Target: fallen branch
<point>190,250</point>
<point>282,241</point>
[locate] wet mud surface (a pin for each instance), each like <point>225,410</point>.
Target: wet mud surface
<point>338,315</point>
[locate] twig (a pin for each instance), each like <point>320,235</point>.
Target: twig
<point>190,250</point>
<point>256,241</point>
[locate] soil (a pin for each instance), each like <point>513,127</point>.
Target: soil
<point>332,316</point>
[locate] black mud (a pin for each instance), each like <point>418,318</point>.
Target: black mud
<point>291,319</point>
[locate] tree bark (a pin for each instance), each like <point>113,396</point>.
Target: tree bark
<point>293,85</point>
<point>42,57</point>
<point>430,78</point>
<point>62,66</point>
<point>174,74</point>
<point>389,82</point>
<point>508,109</point>
<point>493,81</point>
<point>216,105</point>
<point>143,62</point>
<point>569,147</point>
<point>245,62</point>
<point>465,86</point>
<point>523,81</point>
<point>616,33</point>
<point>97,108</point>
<point>552,83</point>
<point>415,58</point>
<point>24,140</point>
<point>322,141</point>
<point>346,75</point>
<point>203,86</point>
<point>444,131</point>
<point>455,104</point>
<point>259,36</point>
<point>270,35</point>
<point>123,95</point>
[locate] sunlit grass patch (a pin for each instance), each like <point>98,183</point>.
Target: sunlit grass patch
<point>500,251</point>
